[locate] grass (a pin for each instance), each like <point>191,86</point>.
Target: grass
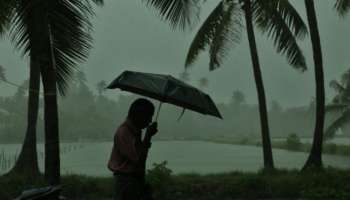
<point>287,184</point>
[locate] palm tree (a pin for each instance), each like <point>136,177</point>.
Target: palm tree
<point>223,27</point>
<point>340,104</point>
<point>315,157</point>
<point>56,36</point>
<point>26,163</point>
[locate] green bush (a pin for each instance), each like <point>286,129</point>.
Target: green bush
<point>159,177</point>
<point>293,142</point>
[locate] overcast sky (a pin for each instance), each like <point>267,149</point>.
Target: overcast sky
<point>127,35</point>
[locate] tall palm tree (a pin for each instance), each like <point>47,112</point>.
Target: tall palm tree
<point>277,18</point>
<point>56,36</point>
<point>315,157</point>
<point>26,163</point>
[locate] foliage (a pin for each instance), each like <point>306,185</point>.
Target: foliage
<point>280,184</point>
<point>293,142</point>
<point>84,115</point>
<point>160,179</point>
<point>340,104</point>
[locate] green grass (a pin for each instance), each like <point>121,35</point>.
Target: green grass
<point>328,184</point>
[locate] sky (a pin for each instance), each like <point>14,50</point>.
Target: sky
<point>130,36</point>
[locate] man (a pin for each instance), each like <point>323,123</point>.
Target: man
<point>129,153</point>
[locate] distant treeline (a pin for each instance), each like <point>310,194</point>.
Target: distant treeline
<point>85,115</point>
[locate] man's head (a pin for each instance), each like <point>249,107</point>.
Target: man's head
<point>141,112</point>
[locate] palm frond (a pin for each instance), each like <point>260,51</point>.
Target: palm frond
<point>290,15</point>
<point>180,13</point>
<point>98,2</point>
<point>69,21</point>
<point>226,32</point>
<point>336,86</point>
<point>72,41</point>
<point>279,26</point>
<point>338,123</point>
<point>6,14</point>
<point>218,22</point>
<point>342,6</point>
<point>345,78</point>
<point>338,107</point>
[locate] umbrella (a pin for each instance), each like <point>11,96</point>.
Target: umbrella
<point>167,89</point>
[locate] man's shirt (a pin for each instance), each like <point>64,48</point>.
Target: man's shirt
<point>129,152</point>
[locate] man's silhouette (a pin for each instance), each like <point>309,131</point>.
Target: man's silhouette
<point>129,153</point>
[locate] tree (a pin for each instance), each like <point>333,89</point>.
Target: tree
<point>203,82</point>
<point>223,27</point>
<point>340,104</point>
<point>101,87</point>
<point>27,161</point>
<point>2,73</point>
<point>55,35</point>
<point>238,97</point>
<point>342,6</point>
<point>276,107</point>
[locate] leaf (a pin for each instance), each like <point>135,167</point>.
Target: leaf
<point>282,24</point>
<point>342,7</point>
<point>226,33</point>
<point>220,29</point>
<point>180,13</point>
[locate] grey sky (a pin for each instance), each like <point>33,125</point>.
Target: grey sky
<point>130,36</point>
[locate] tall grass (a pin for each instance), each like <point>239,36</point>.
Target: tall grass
<point>8,159</point>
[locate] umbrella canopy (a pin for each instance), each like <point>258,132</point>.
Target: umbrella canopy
<point>166,88</point>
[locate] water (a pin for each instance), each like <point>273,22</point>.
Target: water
<point>182,156</point>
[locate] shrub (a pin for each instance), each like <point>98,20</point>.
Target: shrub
<point>293,142</point>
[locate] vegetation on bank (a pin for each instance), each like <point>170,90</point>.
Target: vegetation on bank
<point>291,143</point>
<point>88,115</point>
<point>327,184</point>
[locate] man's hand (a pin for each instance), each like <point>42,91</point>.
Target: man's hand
<point>152,129</point>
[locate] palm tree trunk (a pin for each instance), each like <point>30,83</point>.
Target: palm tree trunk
<point>267,150</point>
<point>315,156</point>
<point>27,163</point>
<point>52,159</point>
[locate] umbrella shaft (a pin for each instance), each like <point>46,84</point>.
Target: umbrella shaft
<point>158,111</point>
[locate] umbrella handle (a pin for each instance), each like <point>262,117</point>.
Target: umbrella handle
<point>159,106</point>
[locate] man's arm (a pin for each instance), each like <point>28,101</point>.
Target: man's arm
<point>150,132</point>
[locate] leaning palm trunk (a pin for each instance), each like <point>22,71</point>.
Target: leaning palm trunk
<point>52,157</point>
<point>267,149</point>
<point>27,162</point>
<point>315,157</point>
